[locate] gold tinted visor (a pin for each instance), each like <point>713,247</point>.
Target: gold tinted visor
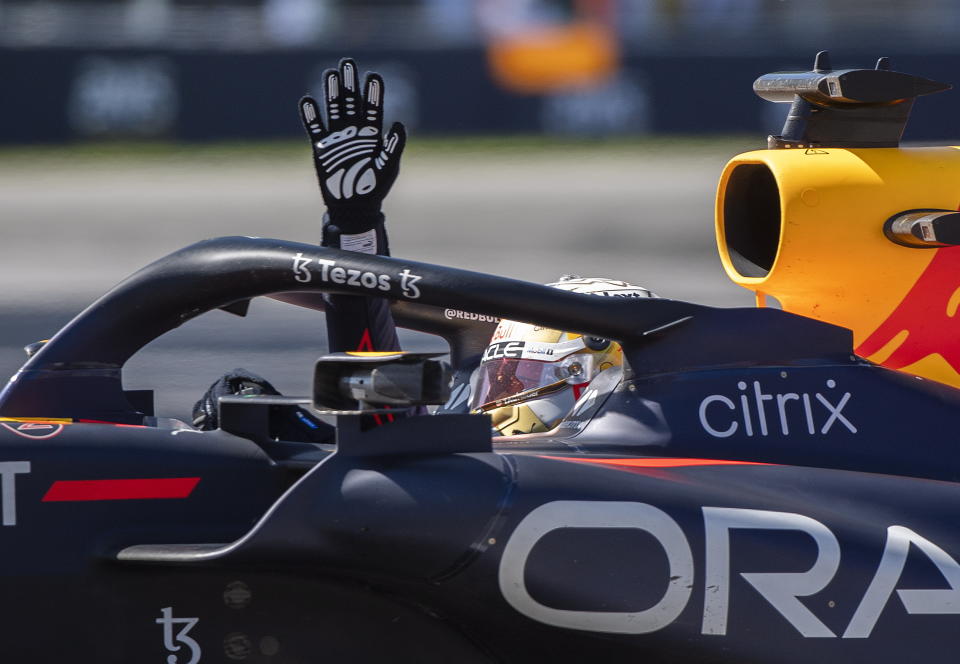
<point>496,382</point>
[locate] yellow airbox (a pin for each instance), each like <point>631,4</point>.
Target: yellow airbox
<point>807,227</point>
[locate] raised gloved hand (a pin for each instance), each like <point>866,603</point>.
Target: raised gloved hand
<point>356,164</point>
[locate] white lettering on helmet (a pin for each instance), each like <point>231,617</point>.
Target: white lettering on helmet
<point>503,349</point>
<point>603,287</point>
<point>623,293</point>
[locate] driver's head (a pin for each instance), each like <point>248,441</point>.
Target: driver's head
<point>530,377</point>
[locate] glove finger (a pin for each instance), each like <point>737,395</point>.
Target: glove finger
<point>373,101</point>
<point>333,99</point>
<point>310,117</point>
<point>395,141</point>
<point>350,94</point>
<point>388,160</point>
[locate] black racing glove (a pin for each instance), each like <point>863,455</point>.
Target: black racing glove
<point>291,422</point>
<point>356,164</point>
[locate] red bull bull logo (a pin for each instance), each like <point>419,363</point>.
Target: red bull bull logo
<point>922,334</point>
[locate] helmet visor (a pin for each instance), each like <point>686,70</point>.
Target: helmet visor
<point>498,380</point>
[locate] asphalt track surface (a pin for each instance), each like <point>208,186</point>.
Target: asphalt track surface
<point>75,226</point>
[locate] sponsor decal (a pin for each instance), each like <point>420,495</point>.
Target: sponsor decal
<point>588,514</point>
<point>505,330</point>
<point>408,284</point>
<point>300,271</point>
<point>35,429</point>
<point>362,243</point>
<point>535,352</point>
<point>623,293</point>
<point>532,350</point>
<point>8,489</point>
<point>603,287</point>
<point>329,272</point>
<point>924,325</point>
<point>452,314</point>
<point>133,489</point>
<point>781,590</point>
<point>503,349</point>
<point>175,642</point>
<point>756,413</point>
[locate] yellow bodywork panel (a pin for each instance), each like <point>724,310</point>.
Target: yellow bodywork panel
<point>832,261</point>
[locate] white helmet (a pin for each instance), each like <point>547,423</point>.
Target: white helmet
<point>530,377</point>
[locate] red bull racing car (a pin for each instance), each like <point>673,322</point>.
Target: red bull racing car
<point>752,487</point>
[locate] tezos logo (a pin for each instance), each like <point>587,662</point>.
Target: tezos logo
<point>175,636</point>
<point>330,272</point>
<point>721,416</point>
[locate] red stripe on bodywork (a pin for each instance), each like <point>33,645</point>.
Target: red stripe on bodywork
<point>76,490</point>
<point>115,424</point>
<point>658,462</point>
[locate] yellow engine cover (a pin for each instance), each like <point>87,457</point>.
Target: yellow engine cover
<point>806,226</point>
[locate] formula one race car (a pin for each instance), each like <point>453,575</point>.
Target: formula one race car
<point>753,488</point>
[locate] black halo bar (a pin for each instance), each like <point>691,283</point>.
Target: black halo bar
<point>212,273</point>
<point>77,372</point>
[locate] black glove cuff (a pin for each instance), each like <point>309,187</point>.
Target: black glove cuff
<point>354,219</point>
<point>337,224</point>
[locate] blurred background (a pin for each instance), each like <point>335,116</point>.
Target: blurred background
<point>546,137</point>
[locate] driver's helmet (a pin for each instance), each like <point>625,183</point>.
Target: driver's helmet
<point>530,377</point>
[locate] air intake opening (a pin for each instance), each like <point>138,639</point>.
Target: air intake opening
<point>751,219</point>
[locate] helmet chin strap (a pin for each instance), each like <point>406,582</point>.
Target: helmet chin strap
<point>526,395</point>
